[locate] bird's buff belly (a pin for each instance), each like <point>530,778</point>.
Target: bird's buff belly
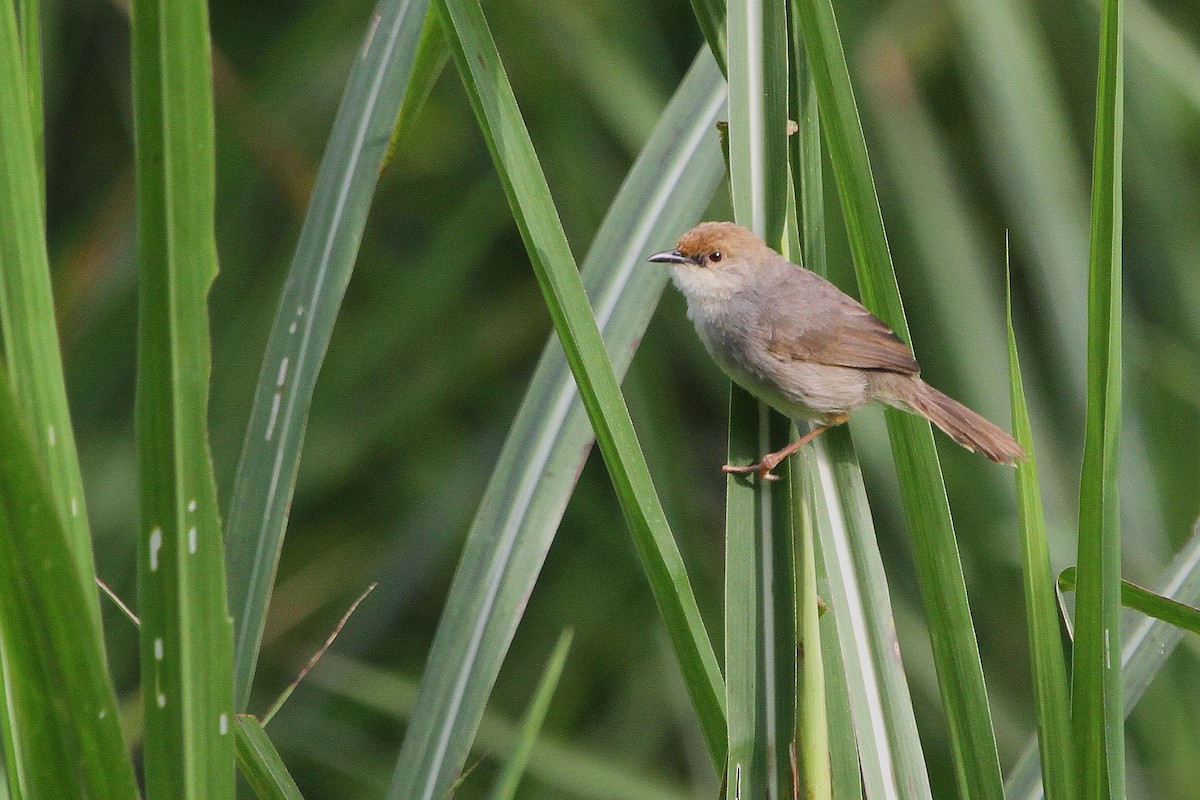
<point>817,393</point>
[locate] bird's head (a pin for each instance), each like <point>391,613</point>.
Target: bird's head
<point>715,259</point>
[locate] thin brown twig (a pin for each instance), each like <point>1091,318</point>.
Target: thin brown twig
<point>312,662</point>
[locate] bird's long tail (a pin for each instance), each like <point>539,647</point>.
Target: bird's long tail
<point>960,423</point>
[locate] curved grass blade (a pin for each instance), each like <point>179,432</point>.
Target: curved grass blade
<point>710,15</point>
<point>566,768</point>
<point>260,763</point>
<point>939,570</point>
<point>1145,647</point>
<point>669,186</point>
<point>64,739</point>
<point>29,20</point>
<point>432,56</point>
<point>1096,676</point>
<point>1049,667</point>
<point>1152,604</point>
<point>186,632</point>
<point>506,785</point>
<point>31,345</point>
<point>308,307</point>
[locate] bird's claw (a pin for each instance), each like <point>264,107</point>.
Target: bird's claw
<point>761,469</point>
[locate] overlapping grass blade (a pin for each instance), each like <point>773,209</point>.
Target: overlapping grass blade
<point>260,763</point>
<point>812,741</point>
<point>31,345</point>
<point>1149,603</point>
<point>665,192</point>
<point>1051,689</point>
<point>64,739</point>
<point>939,570</point>
<point>567,768</point>
<point>759,584</point>
<point>29,20</point>
<point>1096,676</point>
<point>308,307</point>
<point>514,767</point>
<point>893,765</point>
<point>710,15</point>
<point>1145,647</point>
<point>186,632</point>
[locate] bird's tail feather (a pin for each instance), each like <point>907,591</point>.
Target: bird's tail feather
<point>960,423</point>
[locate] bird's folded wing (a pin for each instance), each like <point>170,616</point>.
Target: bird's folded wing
<point>849,336</point>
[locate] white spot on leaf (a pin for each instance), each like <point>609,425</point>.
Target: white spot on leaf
<point>162,700</point>
<point>274,415</point>
<point>224,724</point>
<point>158,650</point>
<point>51,435</point>
<point>283,366</point>
<point>155,546</point>
<point>192,506</point>
<point>191,540</point>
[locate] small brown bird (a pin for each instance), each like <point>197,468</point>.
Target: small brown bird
<point>803,346</point>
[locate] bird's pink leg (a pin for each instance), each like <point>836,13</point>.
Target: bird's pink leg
<point>771,460</point>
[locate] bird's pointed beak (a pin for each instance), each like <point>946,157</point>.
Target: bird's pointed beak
<point>671,257</point>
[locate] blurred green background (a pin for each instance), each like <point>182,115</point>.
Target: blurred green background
<point>978,116</point>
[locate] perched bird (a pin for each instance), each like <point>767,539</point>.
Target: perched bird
<point>803,346</point>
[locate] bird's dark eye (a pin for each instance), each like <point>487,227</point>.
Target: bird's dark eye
<point>715,256</point>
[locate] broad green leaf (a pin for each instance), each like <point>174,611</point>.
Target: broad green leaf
<point>667,189</point>
<point>1096,676</point>
<point>260,763</point>
<point>186,633</point>
<point>64,739</point>
<point>1049,667</point>
<point>308,307</point>
<point>939,571</point>
<point>505,787</point>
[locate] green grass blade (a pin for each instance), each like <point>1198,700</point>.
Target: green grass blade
<point>760,638</point>
<point>1145,647</point>
<point>506,785</point>
<point>63,739</point>
<point>308,307</point>
<point>759,589</point>
<point>710,15</point>
<point>939,570</point>
<point>1096,677</point>
<point>29,19</point>
<point>1149,603</point>
<point>567,768</point>
<point>430,60</point>
<point>1051,689</point>
<point>669,186</point>
<point>186,633</point>
<point>31,344</point>
<point>812,724</point>
<point>890,750</point>
<point>758,174</point>
<point>260,763</point>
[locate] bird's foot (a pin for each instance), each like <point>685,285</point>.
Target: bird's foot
<point>762,469</point>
